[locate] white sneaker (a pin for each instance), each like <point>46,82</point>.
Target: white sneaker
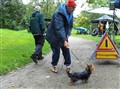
<point>68,69</point>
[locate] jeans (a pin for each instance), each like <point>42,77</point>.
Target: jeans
<point>56,55</point>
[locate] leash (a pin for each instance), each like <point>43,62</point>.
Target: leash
<point>83,64</point>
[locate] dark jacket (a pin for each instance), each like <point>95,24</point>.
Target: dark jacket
<point>60,26</point>
<point>37,23</point>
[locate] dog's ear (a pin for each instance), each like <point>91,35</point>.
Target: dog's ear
<point>88,65</point>
<point>92,66</point>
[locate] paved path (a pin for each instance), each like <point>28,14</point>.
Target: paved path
<point>106,75</point>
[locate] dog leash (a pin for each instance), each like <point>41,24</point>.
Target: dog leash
<point>83,64</point>
<point>77,58</point>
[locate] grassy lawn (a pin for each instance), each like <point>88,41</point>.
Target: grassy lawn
<point>96,38</point>
<point>16,48</point>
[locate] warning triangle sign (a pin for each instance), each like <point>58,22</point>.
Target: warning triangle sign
<point>106,44</point>
<point>106,49</point>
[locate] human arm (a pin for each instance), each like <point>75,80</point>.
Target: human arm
<point>59,24</point>
<point>42,23</point>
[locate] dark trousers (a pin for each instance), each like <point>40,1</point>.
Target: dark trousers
<point>39,42</point>
<point>56,55</point>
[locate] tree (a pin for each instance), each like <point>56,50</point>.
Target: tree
<point>15,15</point>
<point>47,6</point>
<point>98,3</point>
<point>82,21</point>
<point>12,14</point>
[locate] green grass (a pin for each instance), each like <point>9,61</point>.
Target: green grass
<point>95,38</point>
<point>16,48</point>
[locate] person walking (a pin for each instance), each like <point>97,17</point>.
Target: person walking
<point>58,33</point>
<point>37,28</point>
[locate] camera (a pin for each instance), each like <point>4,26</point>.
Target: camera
<point>114,4</point>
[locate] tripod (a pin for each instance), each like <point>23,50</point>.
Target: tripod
<point>115,28</point>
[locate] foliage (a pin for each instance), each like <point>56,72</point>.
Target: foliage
<point>16,48</point>
<point>81,21</point>
<point>84,20</point>
<point>15,15</point>
<point>12,14</point>
<point>49,7</point>
<point>98,3</point>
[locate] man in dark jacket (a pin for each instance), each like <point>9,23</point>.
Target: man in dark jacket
<point>37,28</point>
<point>58,32</point>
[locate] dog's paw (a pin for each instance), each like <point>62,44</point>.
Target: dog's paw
<point>70,83</point>
<point>86,81</point>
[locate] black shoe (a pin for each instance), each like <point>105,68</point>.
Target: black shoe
<point>34,58</point>
<point>40,58</point>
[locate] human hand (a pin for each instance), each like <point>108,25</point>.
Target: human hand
<point>44,34</point>
<point>66,44</point>
<point>67,37</point>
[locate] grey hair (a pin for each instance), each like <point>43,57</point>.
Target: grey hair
<point>37,8</point>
